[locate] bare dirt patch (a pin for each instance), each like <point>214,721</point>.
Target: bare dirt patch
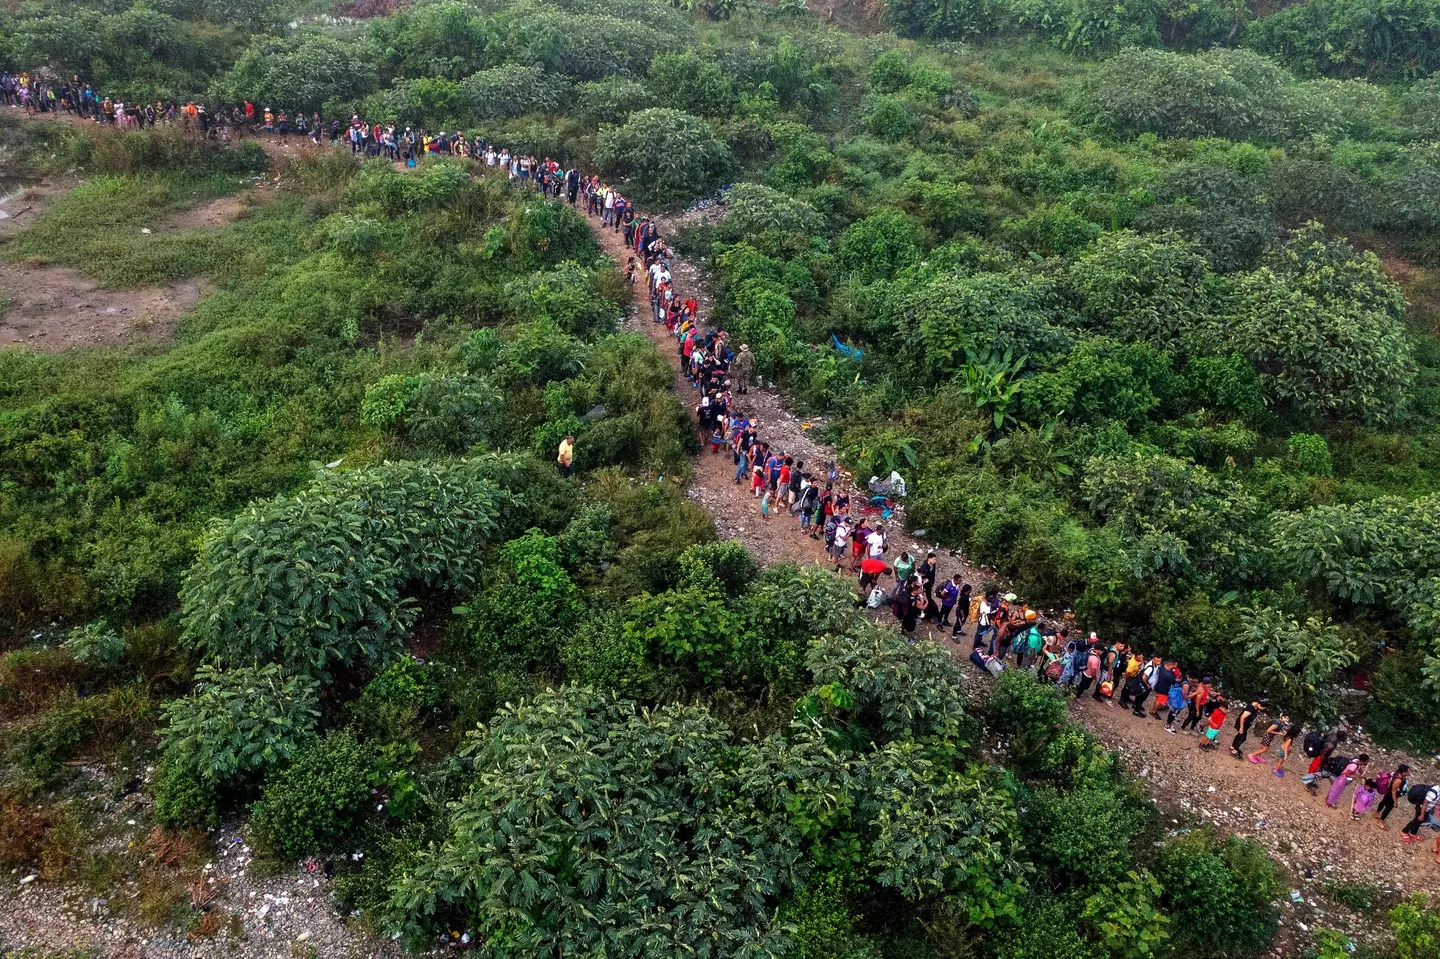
<point>52,309</point>
<point>209,216</point>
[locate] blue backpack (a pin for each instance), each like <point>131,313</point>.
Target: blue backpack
<point>1177,696</point>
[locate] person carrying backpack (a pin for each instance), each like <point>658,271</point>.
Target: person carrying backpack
<point>1393,787</point>
<point>1318,746</point>
<point>1178,696</point>
<point>1425,800</point>
<point>1344,772</point>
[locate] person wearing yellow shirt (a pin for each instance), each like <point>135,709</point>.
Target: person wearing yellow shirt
<point>566,459</point>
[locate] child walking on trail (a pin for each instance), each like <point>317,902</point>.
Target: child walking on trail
<point>1278,727</point>
<point>1364,798</point>
<point>765,505</point>
<point>1213,727</point>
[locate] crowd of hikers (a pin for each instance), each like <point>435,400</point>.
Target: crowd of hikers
<point>853,533</point>
<point>1003,631</point>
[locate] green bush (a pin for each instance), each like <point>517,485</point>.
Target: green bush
<point>666,156</point>
<point>685,81</point>
<point>1220,894</point>
<point>879,246</point>
<point>511,91</point>
<point>1028,714</point>
<point>613,99</point>
<point>1087,836</point>
<point>312,806</point>
<point>314,581</point>
<point>239,722</point>
<point>184,799</point>
<point>307,71</point>
<point>390,703</point>
<point>1311,453</point>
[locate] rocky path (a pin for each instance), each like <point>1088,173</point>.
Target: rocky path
<point>1318,846</point>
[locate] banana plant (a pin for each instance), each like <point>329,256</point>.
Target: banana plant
<point>993,381</point>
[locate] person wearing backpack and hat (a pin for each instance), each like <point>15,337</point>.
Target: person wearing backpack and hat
<point>1395,788</point>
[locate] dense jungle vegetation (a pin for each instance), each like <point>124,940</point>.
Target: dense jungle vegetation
<point>1122,280</point>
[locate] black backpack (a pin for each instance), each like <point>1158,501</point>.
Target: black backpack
<point>1417,793</point>
<point>1335,765</point>
<point>1315,743</point>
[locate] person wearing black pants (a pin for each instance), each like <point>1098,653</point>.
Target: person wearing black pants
<point>1429,797</point>
<point>1397,788</point>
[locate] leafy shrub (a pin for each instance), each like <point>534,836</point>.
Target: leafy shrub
<point>613,99</point>
<point>311,806</point>
<point>728,561</point>
<point>314,581</point>
<point>389,703</point>
<point>890,118</point>
<point>239,722</point>
<point>1140,287</point>
<point>527,605</point>
<point>183,798</point>
<point>95,644</point>
<point>1050,931</point>
<point>667,774</point>
<point>770,219</point>
<point>510,91</point>
<point>824,925</point>
<point>879,246</point>
<point>40,744</point>
<point>685,81</point>
<point>1053,229</point>
<point>898,690</point>
<point>1087,836</point>
<point>1311,453</point>
<point>1220,894</point>
<point>307,71</point>
<point>1026,712</point>
<point>431,411</point>
<point>1220,210</point>
<point>668,156</point>
<point>1417,926</point>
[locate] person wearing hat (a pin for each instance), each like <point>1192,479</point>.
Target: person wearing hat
<point>743,368</point>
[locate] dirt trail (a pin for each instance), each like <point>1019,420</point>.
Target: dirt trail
<point>1318,845</point>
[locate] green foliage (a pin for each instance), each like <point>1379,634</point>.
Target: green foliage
<point>687,82</point>
<point>1352,38</point>
<point>311,806</point>
<point>1127,919</point>
<point>315,581</point>
<point>899,690</point>
<point>95,644</point>
<point>306,71</point>
<point>239,722</point>
<point>526,606</point>
<point>727,561</point>
<point>390,703</point>
<point>668,155</point>
<point>511,91</point>
<point>1029,714</point>
<point>1417,927</point>
<point>1311,453</point>
<point>183,798</point>
<point>1086,836</point>
<point>613,99</point>
<point>879,246</point>
<point>1220,894</point>
<point>770,219</point>
<point>616,786</point>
